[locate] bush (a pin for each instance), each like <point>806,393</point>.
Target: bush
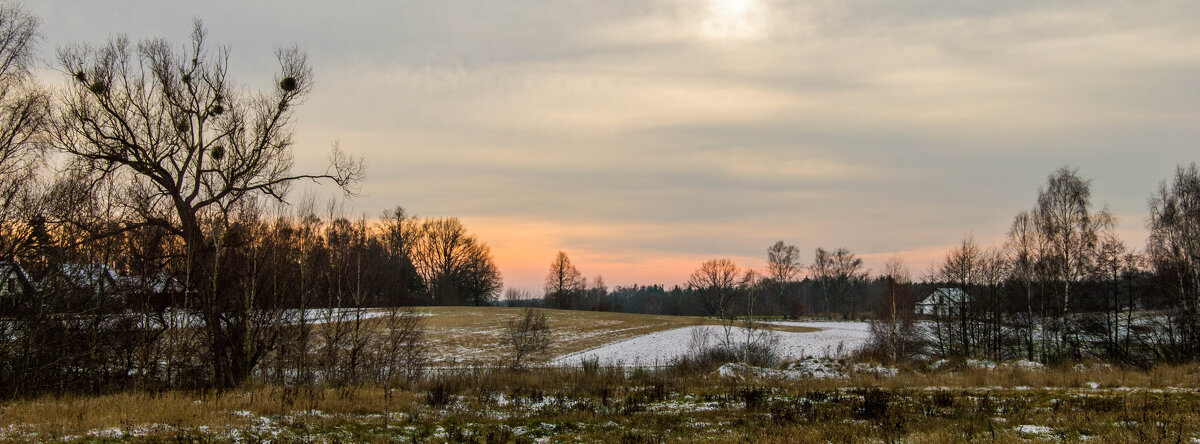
<point>708,359</point>
<point>442,391</point>
<point>528,337</point>
<point>755,397</point>
<point>591,365</point>
<point>874,404</point>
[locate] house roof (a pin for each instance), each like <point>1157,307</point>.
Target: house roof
<point>7,268</point>
<point>946,295</point>
<point>12,269</point>
<point>159,283</point>
<point>88,275</point>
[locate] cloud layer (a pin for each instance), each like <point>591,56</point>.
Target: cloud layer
<point>645,136</point>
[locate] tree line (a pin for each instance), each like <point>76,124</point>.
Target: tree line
<point>1064,286</point>
<point>837,285</point>
<point>1061,287</point>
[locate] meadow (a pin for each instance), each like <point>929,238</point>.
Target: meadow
<point>952,401</point>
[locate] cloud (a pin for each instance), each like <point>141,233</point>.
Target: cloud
<point>644,136</point>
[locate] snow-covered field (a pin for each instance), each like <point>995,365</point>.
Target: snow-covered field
<point>661,347</point>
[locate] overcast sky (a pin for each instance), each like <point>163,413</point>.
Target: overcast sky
<point>644,136</point>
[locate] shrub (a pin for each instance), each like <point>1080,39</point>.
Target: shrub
<point>528,337</point>
<point>874,404</point>
<point>754,397</point>
<point>443,391</point>
<point>591,365</point>
<point>711,357</point>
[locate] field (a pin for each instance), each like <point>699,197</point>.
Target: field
<point>849,402</point>
<point>473,336</point>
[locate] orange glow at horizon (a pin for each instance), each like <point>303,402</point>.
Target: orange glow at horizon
<point>523,250</point>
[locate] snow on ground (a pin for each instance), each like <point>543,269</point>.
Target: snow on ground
<point>312,316</point>
<point>1036,430</point>
<point>659,348</point>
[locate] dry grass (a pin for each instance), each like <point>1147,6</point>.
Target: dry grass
<point>637,406</point>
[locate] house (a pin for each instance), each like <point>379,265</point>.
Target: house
<point>97,279</point>
<point>14,285</point>
<point>14,282</point>
<point>943,301</point>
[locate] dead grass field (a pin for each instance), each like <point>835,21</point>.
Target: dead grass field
<point>955,403</point>
<point>555,404</point>
<point>474,335</point>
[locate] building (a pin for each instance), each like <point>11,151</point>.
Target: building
<point>14,285</point>
<point>943,302</point>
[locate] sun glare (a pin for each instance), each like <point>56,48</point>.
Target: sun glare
<point>731,7</point>
<point>734,20</point>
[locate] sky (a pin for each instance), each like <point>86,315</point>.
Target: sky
<point>643,137</point>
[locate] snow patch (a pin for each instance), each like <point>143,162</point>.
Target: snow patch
<point>1025,365</point>
<point>877,370</point>
<point>1041,431</point>
<point>811,368</point>
<point>981,364</point>
<point>660,348</point>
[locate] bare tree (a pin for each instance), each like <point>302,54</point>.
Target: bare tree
<point>190,146</point>
<point>23,112</point>
<point>564,283</point>
<point>1174,250</point>
<point>401,233</point>
<point>1025,248</point>
<point>515,295</point>
<point>848,277</point>
<point>783,265</point>
<point>528,337</point>
<point>597,295</point>
<point>456,266</point>
<point>961,271</point>
<point>992,333</point>
<point>716,284</point>
<point>1108,269</point>
<point>822,270</point>
<point>1066,219</point>
<point>400,353</point>
<point>894,333</point>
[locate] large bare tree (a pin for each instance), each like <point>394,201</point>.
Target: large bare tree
<point>455,265</point>
<point>189,147</point>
